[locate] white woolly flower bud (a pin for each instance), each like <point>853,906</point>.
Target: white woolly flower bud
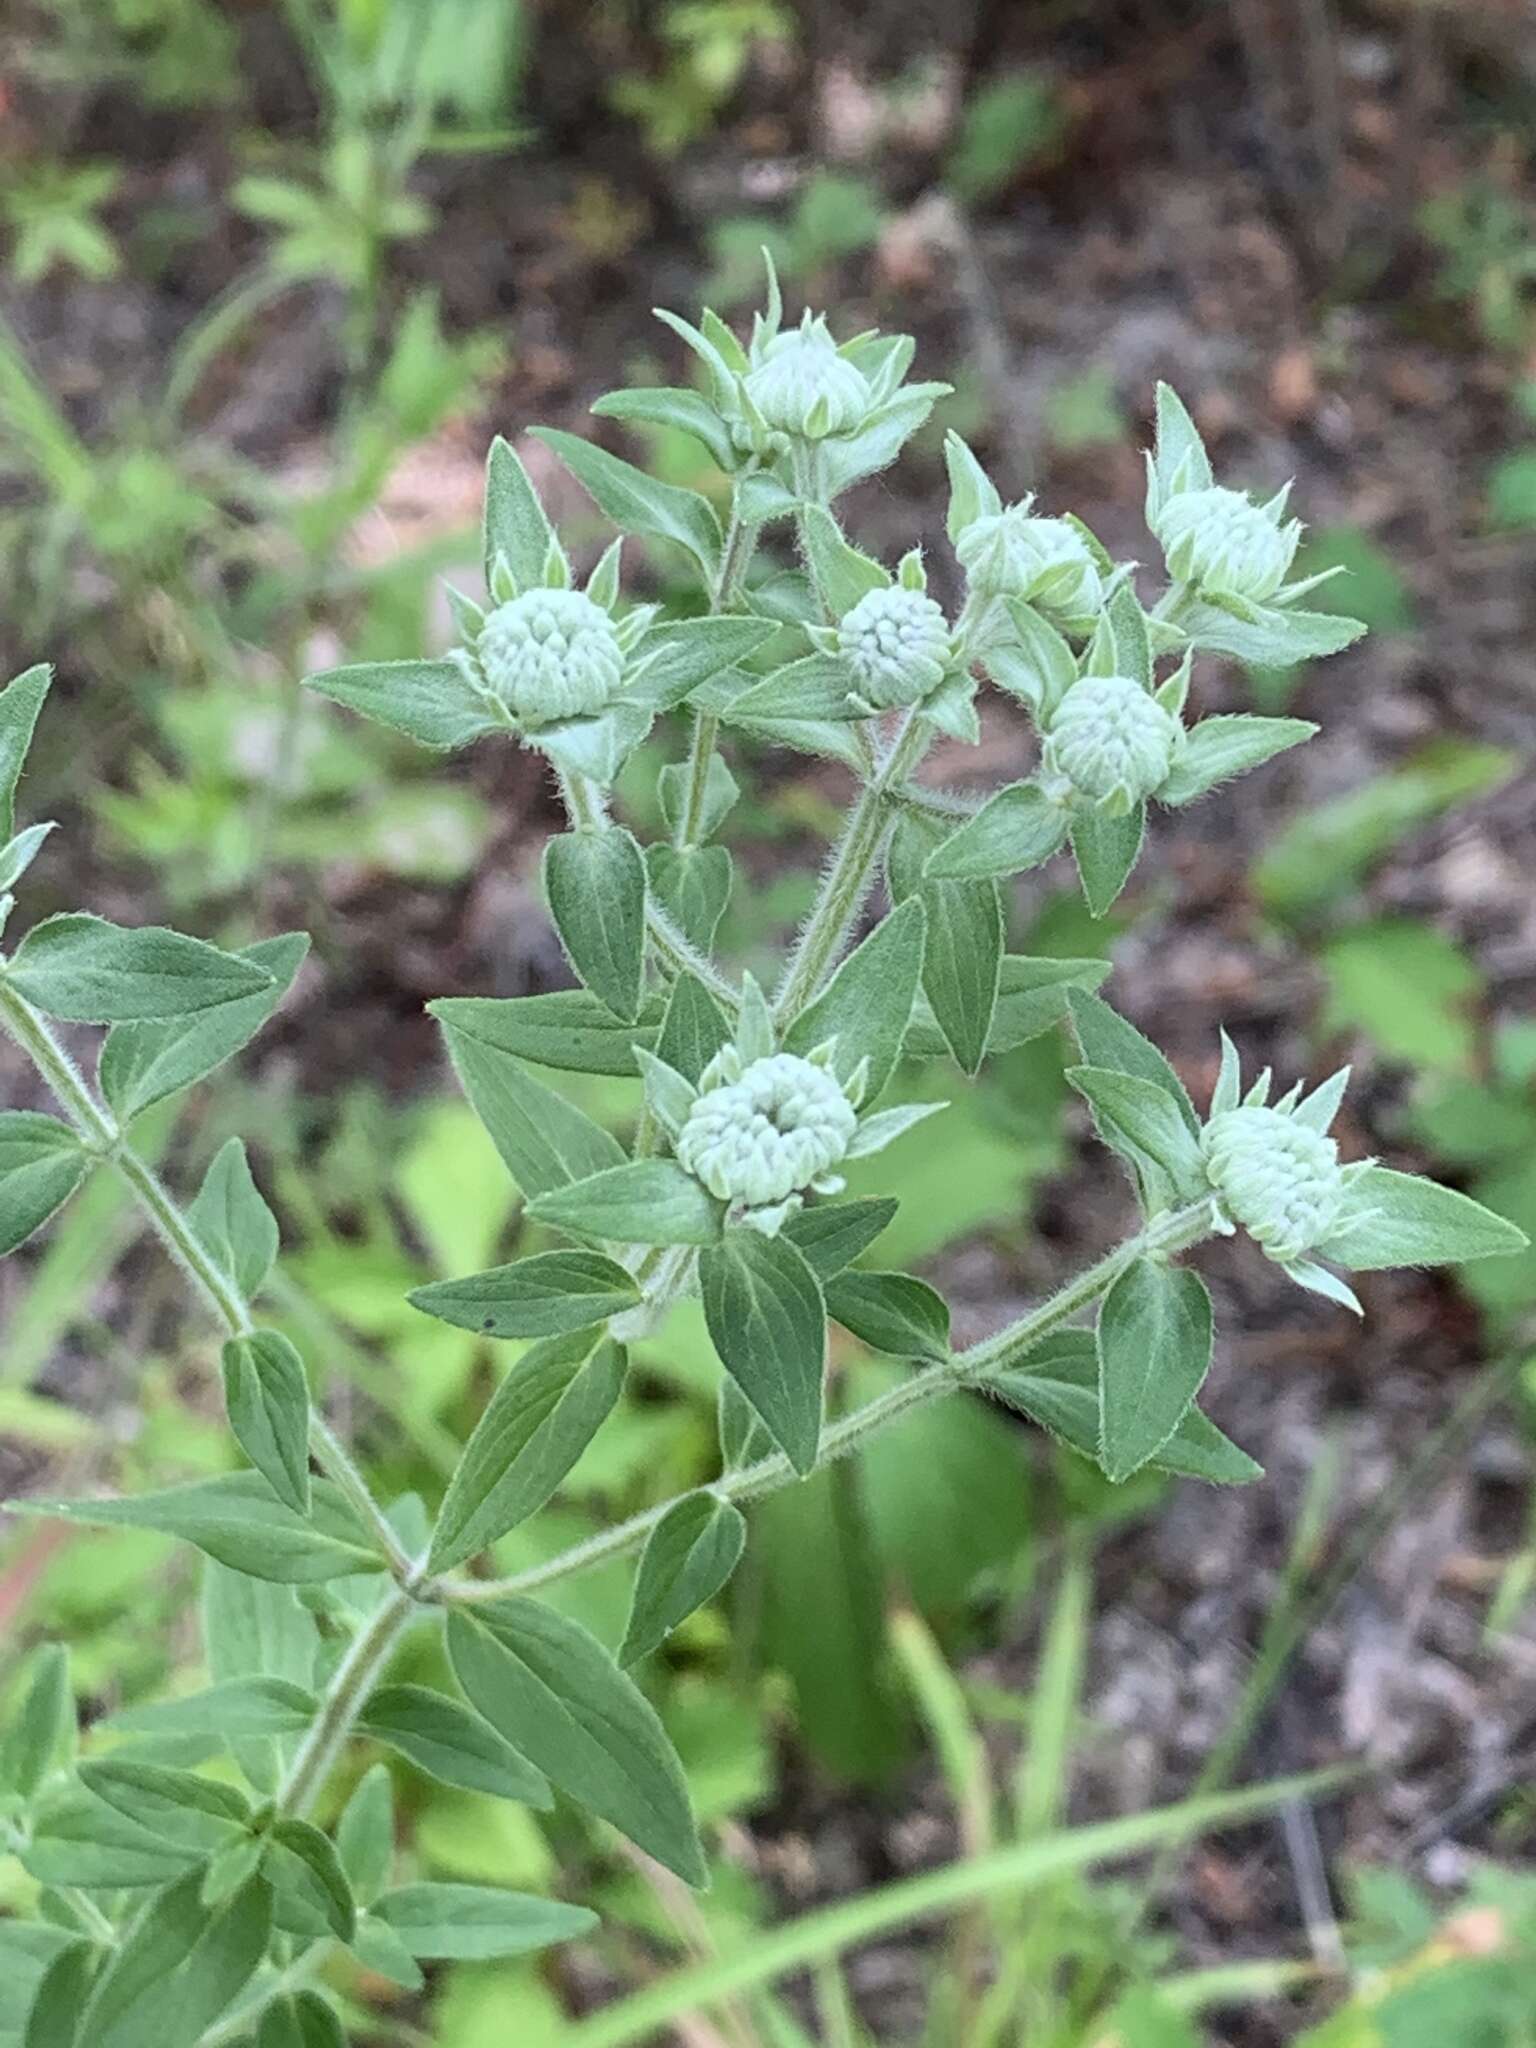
<point>550,655</point>
<point>768,1135</point>
<point>802,386</point>
<point>1046,562</point>
<point>1226,545</point>
<point>1280,1179</point>
<point>1111,740</point>
<point>896,645</point>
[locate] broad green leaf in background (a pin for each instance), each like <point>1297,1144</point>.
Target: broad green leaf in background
<point>41,1165</point>
<point>1110,1040</point>
<point>304,2020</point>
<point>178,1968</point>
<point>75,1840</point>
<point>554,1691</point>
<point>549,1295</point>
<point>365,1831</point>
<point>767,1321</point>
<point>53,2017</point>
<point>266,1393</point>
<point>1032,996</point>
<point>1154,1340</point>
<point>693,885</point>
<point>87,971</point>
<point>1407,987</point>
<point>193,1812</point>
<point>1143,1120</point>
<point>680,654</point>
<point>451,1743</point>
<point>595,882</point>
<point>721,789</point>
<point>693,1030</point>
<point>237,1709</point>
<point>233,1222</point>
<point>540,1420</point>
<point>687,1558</point>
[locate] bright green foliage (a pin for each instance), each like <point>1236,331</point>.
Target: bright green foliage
<point>687,1135</point>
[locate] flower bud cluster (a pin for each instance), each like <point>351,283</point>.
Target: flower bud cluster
<point>1279,1179</point>
<point>1230,549</point>
<point>764,1131</point>
<point>802,386</point>
<point>896,644</point>
<point>1110,743</point>
<point>550,655</point>
<point>1045,562</point>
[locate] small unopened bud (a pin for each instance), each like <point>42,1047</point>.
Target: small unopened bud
<point>1111,741</point>
<point>1227,546</point>
<point>803,387</point>
<point>1046,562</point>
<point>896,644</point>
<point>550,655</point>
<point>1278,1178</point>
<point>769,1134</point>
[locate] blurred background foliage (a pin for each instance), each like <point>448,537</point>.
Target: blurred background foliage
<point>271,272</point>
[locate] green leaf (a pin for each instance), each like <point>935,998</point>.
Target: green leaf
<point>232,1221</point>
<point>53,2020</point>
<point>679,655</point>
<point>841,573</point>
<point>178,1968</point>
<point>41,1165</point>
<point>595,882</point>
<point>884,434</point>
<point>141,1064</point>
<point>431,702</point>
<point>721,788</point>
<point>1108,1040</point>
<point>1014,831</point>
<point>833,1234</point>
<point>1180,462</point>
<point>647,1201</point>
<point>544,1141</point>
<point>687,1558</point>
<point>304,2020</point>
<point>240,1521</point>
<point>569,1029</point>
<point>318,1855</point>
<point>963,954</point>
<point>451,1744</point>
<point>194,1813</point>
<point>1032,996</point>
<point>516,524</point>
<point>41,1732</point>
<point>669,407</point>
<point>546,1296</point>
<point>539,1421</point>
<point>743,1439</point>
<point>365,1830</point>
<point>693,885</point>
<point>471,1923</point>
<point>767,1320</point>
<point>1397,1219</point>
<point>1057,1385</point>
<point>1145,1121</point>
<point>693,1030</point>
<point>1106,849</point>
<point>816,687</point>
<point>20,702</point>
<point>637,503</point>
<point>1154,1340</point>
<point>237,1709</point>
<point>267,1395</point>
<point>555,1692</point>
<point>1218,748</point>
<point>87,971</point>
<point>892,1312</point>
<point>867,1005</point>
<point>252,1628</point>
<point>18,854</point>
<point>1275,637</point>
<point>1409,987</point>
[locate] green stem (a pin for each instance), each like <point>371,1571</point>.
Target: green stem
<point>740,538</point>
<point>100,1133</point>
<point>367,1654</point>
<point>846,881</point>
<point>1174,1231</point>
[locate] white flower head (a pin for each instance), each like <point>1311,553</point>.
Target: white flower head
<point>1045,562</point>
<point>551,655</point>
<point>801,385</point>
<point>897,646</point>
<point>762,1132</point>
<point>1110,744</point>
<point>1230,548</point>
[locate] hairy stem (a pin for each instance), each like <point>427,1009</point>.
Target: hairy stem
<point>353,1680</point>
<point>99,1131</point>
<point>1174,1231</point>
<point>740,539</point>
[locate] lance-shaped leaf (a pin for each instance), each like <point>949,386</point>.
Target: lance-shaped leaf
<point>1016,830</point>
<point>1272,636</point>
<point>1179,462</point>
<point>1108,1040</point>
<point>40,1732</point>
<point>141,1064</point>
<point>767,1320</point>
<point>41,1165</point>
<point>316,1853</point>
<point>1154,1343</point>
<point>75,1840</point>
<point>1106,850</point>
<point>867,1005</point>
<point>196,1813</point>
<point>884,434</point>
<point>178,1968</point>
<point>743,1439</point>
<point>963,954</point>
<point>637,503</point>
<point>595,882</point>
<point>1032,996</point>
<point>840,572</point>
<point>661,405</point>
<point>646,1201</point>
<point>267,1395</point>
<point>1397,1219</point>
<point>1143,1121</point>
<point>892,1312</point>
<point>817,686</point>
<point>549,1295</point>
<point>516,525</point>
<point>232,1221</point>
<point>432,702</point>
<point>721,789</point>
<point>568,1028</point>
<point>451,1744</point>
<point>680,655</point>
<point>18,854</point>
<point>20,702</point>
<point>239,1709</point>
<point>558,1696</point>
<point>56,1994</point>
<point>241,1522</point>
<point>687,1558</point>
<point>472,1923</point>
<point>301,2020</point>
<point>87,971</point>
<point>693,885</point>
<point>1218,748</point>
<point>540,1420</point>
<point>693,1030</point>
<point>833,1234</point>
<point>544,1140</point>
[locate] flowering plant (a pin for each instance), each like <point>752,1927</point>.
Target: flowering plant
<point>179,1908</point>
